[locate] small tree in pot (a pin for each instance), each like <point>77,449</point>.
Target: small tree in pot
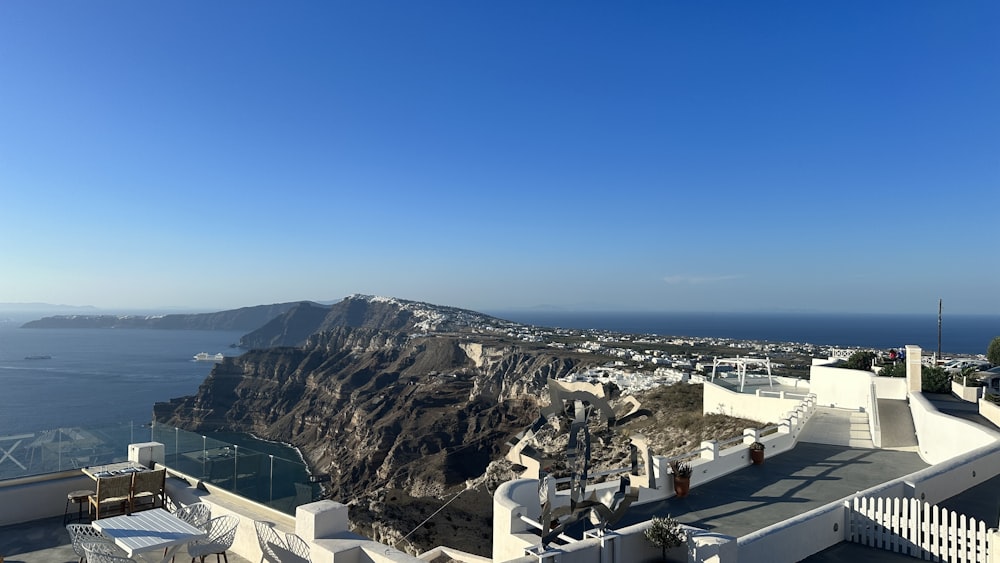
<point>665,533</point>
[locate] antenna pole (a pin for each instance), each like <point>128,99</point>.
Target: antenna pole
<point>939,331</point>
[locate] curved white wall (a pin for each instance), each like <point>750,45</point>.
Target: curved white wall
<point>942,437</point>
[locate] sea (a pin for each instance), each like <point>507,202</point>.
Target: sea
<point>960,334</point>
<point>106,380</point>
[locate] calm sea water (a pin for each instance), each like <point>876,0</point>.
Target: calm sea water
<point>101,379</point>
<point>960,334</point>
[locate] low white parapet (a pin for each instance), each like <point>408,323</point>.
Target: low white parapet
<point>146,453</point>
<point>941,436</point>
<point>321,519</point>
<point>990,410</point>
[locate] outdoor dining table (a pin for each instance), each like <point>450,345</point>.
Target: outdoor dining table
<point>96,472</point>
<point>148,531</point>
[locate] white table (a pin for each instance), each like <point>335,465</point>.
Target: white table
<point>149,530</point>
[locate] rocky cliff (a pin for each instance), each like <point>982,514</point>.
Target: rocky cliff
<point>367,311</point>
<point>375,408</point>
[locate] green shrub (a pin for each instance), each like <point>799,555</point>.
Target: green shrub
<point>894,370</point>
<point>993,352</point>
<point>935,380</point>
<point>861,360</point>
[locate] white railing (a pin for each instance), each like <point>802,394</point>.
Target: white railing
<point>918,529</point>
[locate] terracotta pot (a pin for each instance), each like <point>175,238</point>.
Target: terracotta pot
<point>757,456</point>
<point>681,486</point>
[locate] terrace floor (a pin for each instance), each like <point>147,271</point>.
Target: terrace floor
<point>807,477</point>
<point>46,541</point>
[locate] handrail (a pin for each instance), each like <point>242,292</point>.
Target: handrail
<point>724,443</point>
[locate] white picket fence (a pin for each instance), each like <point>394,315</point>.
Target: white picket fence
<point>917,529</point>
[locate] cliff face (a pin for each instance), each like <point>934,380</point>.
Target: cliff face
<point>364,311</point>
<point>377,408</point>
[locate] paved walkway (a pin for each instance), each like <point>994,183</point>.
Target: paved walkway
<point>896,424</point>
<point>807,477</point>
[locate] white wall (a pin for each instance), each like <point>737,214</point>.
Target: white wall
<point>942,437</point>
<point>990,410</point>
<point>839,387</point>
<point>958,474</point>
<point>796,538</point>
<point>970,394</point>
<point>891,388</point>
<point>766,410</point>
<point>512,500</point>
<point>41,496</point>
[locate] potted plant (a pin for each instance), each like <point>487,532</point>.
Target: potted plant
<point>682,478</point>
<point>757,453</point>
<point>665,533</point>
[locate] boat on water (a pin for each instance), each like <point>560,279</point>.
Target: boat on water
<point>206,357</point>
<point>38,357</point>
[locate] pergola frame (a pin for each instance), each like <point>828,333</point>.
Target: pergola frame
<point>741,368</point>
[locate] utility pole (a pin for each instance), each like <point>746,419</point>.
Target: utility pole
<point>939,331</point>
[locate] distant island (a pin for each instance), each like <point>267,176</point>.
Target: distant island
<point>246,318</point>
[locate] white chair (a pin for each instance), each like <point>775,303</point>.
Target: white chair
<point>197,514</point>
<point>267,539</point>
<point>221,533</point>
<point>298,546</point>
<point>100,551</point>
<point>80,534</point>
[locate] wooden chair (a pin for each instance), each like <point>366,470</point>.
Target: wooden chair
<point>148,490</point>
<point>111,492</point>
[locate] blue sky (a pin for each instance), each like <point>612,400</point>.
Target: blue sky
<point>665,156</point>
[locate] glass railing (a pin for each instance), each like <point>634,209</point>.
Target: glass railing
<point>231,464</point>
<point>49,451</point>
<point>259,471</point>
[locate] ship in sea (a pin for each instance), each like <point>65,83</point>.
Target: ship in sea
<point>38,357</point>
<point>206,357</point>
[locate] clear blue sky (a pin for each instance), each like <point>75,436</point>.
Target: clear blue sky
<point>689,156</point>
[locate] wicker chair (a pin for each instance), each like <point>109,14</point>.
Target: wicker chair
<point>85,533</point>
<point>148,489</point>
<point>266,538</point>
<point>298,546</point>
<point>221,533</point>
<point>97,551</point>
<point>111,491</point>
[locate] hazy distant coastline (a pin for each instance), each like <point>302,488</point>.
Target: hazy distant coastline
<point>961,334</point>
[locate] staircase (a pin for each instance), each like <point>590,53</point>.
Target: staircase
<point>838,427</point>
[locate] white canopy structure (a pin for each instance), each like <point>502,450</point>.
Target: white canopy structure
<point>741,367</point>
